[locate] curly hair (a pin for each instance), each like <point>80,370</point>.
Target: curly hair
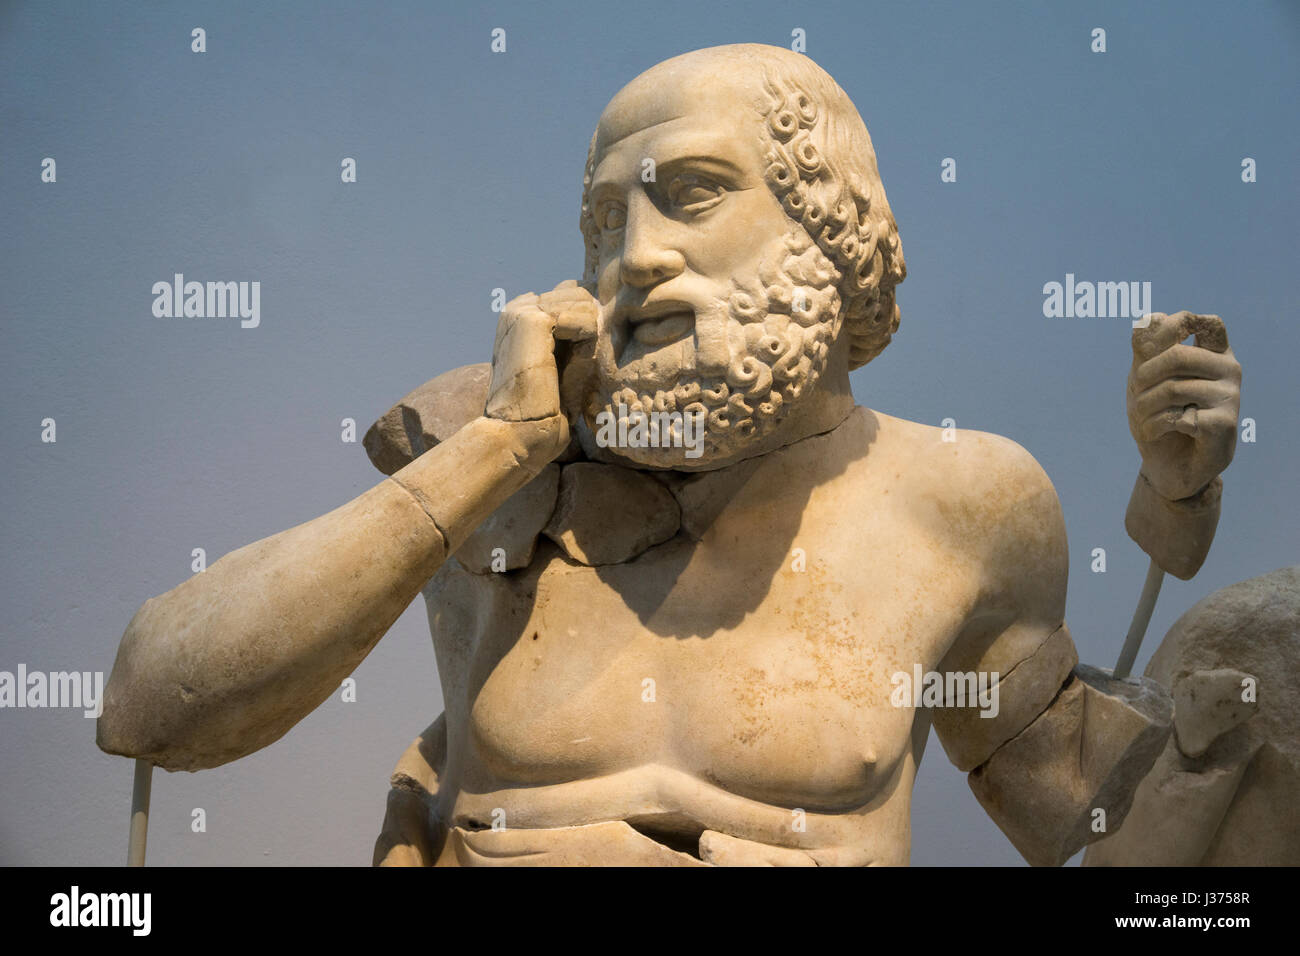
<point>822,168</point>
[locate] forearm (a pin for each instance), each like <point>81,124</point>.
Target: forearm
<point>1069,776</point>
<point>228,661</point>
<point>1062,742</point>
<point>1177,534</point>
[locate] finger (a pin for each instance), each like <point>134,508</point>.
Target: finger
<point>569,288</point>
<point>1154,337</point>
<point>1186,361</point>
<point>577,370</point>
<point>721,849</point>
<point>524,376</point>
<point>552,301</point>
<point>1166,421</point>
<point>525,335</point>
<point>1209,331</point>
<point>558,301</point>
<point>1210,426</point>
<point>577,321</point>
<point>1179,393</point>
<point>513,307</point>
<point>1218,427</point>
<point>524,395</point>
<point>611,842</point>
<point>1167,330</point>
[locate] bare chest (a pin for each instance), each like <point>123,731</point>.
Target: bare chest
<point>760,663</point>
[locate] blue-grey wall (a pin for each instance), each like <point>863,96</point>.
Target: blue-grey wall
<point>174,434</point>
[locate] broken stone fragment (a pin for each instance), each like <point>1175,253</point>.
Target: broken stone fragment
<point>1208,704</point>
<point>1259,826</point>
<point>1234,803</point>
<point>428,415</point>
<point>607,515</point>
<point>412,833</point>
<point>506,540</point>
<point>1252,626</point>
<point>1175,812</point>
<point>703,496</point>
<point>1089,750</point>
<point>1024,692</point>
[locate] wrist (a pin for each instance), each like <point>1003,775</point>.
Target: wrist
<point>535,443</point>
<point>1177,534</point>
<point>461,481</point>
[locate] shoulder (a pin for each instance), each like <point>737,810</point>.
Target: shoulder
<point>982,493</point>
<point>979,468</point>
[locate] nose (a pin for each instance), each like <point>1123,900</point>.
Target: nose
<point>648,256</point>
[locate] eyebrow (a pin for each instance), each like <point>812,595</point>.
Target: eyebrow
<point>600,185</point>
<point>703,160</point>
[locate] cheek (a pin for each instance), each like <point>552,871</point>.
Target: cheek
<point>607,276</point>
<point>735,238</point>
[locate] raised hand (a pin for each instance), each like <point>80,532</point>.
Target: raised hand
<point>1183,401</point>
<point>525,378</point>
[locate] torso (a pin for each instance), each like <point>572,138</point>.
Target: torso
<point>727,682</point>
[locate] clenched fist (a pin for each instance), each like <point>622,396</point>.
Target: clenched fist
<point>1183,401</point>
<point>525,377</point>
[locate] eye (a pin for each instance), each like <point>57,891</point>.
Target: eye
<point>610,216</point>
<point>693,193</point>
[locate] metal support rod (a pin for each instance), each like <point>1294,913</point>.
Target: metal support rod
<point>1141,618</point>
<point>139,812</point>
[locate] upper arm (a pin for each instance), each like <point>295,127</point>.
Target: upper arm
<point>1015,637</point>
<point>1050,745</point>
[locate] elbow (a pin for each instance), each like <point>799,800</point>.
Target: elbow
<point>147,712</point>
<point>165,703</point>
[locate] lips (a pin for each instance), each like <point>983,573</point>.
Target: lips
<point>660,323</point>
<point>664,330</point>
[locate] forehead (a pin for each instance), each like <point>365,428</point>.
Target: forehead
<point>706,108</point>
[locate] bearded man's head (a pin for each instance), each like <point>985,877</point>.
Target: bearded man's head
<point>736,230</point>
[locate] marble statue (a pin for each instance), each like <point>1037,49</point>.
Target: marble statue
<point>676,577</point>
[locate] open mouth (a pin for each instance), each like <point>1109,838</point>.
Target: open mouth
<point>662,323</point>
<point>663,330</point>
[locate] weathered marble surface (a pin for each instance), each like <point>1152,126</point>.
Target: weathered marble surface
<point>1226,789</point>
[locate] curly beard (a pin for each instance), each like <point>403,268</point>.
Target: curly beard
<point>780,326</point>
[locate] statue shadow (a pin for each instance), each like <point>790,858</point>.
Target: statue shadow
<point>740,525</point>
